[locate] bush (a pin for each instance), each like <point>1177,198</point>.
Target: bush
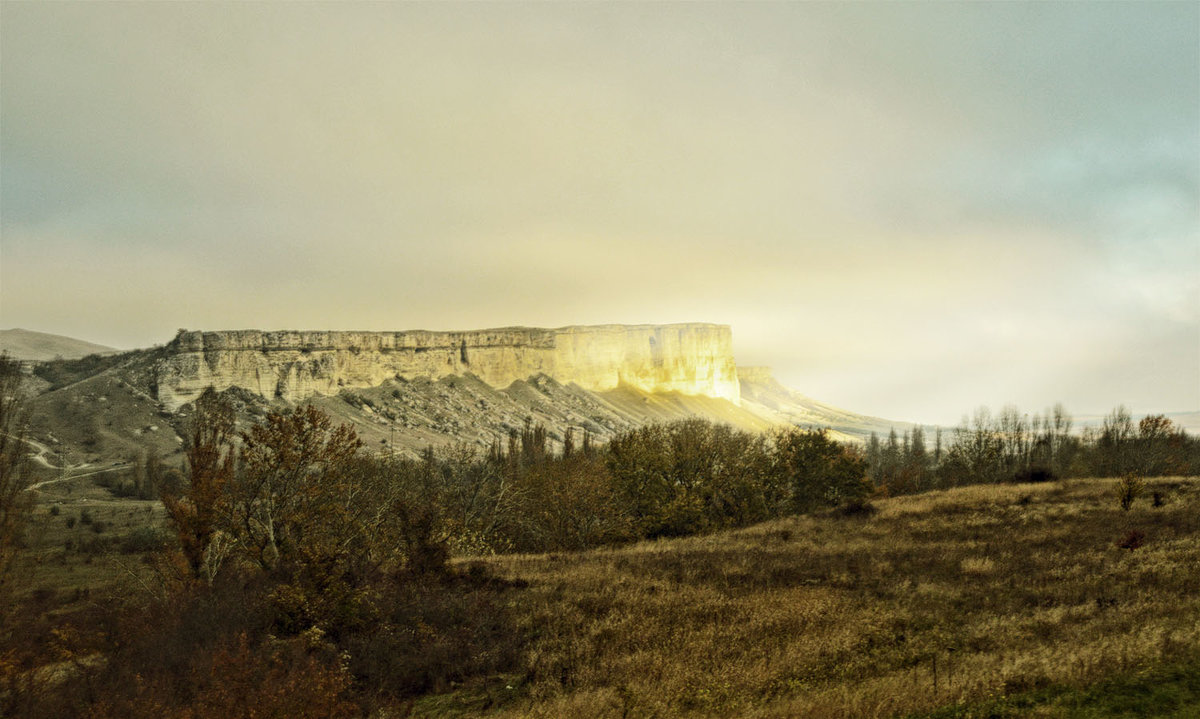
<point>857,508</point>
<point>1035,475</point>
<point>1128,489</point>
<point>1133,539</point>
<point>143,539</point>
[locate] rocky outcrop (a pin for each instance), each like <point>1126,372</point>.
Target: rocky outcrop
<point>694,359</point>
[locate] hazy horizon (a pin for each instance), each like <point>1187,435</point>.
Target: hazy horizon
<point>907,210</point>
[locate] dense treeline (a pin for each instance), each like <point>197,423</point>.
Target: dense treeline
<point>1011,446</point>
<point>658,480</point>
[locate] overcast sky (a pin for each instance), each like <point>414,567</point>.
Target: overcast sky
<point>908,210</point>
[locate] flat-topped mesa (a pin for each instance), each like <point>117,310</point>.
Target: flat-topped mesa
<point>687,358</point>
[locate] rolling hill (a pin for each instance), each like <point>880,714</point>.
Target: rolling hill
<point>40,346</point>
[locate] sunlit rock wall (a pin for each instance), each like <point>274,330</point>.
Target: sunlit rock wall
<point>685,358</point>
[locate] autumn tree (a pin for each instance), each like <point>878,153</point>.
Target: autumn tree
<point>690,476</point>
<point>816,470</point>
<point>283,499</point>
<point>14,457</point>
<point>1156,445</point>
<point>198,510</point>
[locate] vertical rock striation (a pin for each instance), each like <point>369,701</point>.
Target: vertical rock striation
<point>692,359</point>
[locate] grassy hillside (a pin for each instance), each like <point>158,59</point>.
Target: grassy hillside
<point>985,601</point>
<point>965,597</point>
<point>40,346</point>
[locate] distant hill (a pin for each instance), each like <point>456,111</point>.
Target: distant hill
<point>40,346</point>
<point>763,395</point>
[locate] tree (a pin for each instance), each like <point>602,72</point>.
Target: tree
<point>1114,455</point>
<point>14,465</point>
<point>283,496</point>
<point>689,476</point>
<point>1156,436</point>
<point>977,453</point>
<point>816,470</point>
<point>197,510</point>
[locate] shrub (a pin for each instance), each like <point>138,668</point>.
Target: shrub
<point>857,508</point>
<point>1035,475</point>
<point>1133,539</point>
<point>1128,490</point>
<point>143,539</point>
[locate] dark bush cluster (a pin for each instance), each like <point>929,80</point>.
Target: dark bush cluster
<point>658,480</point>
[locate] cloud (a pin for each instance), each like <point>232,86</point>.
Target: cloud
<point>909,209</point>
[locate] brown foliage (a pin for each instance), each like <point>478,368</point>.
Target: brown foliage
<point>196,511</point>
<point>14,501</point>
<point>282,501</point>
<point>247,681</point>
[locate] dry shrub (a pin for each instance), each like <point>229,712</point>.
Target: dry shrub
<point>1128,489</point>
<point>1132,540</point>
<point>298,678</point>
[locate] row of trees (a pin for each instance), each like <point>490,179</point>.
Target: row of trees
<point>310,578</point>
<point>296,492</point>
<point>658,480</point>
<point>1012,446</point>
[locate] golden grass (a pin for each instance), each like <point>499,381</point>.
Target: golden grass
<point>954,596</point>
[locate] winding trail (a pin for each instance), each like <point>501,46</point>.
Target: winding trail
<point>40,458</point>
<point>114,468</point>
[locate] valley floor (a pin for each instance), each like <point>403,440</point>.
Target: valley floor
<point>952,598</point>
<point>985,601</point>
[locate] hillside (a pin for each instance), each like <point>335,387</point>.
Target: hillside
<point>991,597</point>
<point>40,346</point>
<point>404,392</point>
<point>986,601</point>
<point>762,394</point>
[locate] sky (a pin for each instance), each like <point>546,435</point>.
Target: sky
<point>907,209</point>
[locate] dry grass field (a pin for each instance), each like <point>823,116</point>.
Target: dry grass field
<point>964,600</point>
<point>82,540</point>
<point>984,601</point>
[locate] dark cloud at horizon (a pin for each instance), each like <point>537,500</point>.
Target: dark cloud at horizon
<point>906,209</point>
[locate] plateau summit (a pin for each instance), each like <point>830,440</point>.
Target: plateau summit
<point>692,359</point>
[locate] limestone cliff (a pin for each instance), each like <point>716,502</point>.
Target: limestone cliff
<point>695,359</point>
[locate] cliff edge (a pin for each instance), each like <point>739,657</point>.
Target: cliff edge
<point>692,359</point>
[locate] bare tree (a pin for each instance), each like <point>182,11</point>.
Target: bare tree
<point>14,463</point>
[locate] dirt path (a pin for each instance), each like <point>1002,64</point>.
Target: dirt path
<point>40,458</point>
<point>114,468</point>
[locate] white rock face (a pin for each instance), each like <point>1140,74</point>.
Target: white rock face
<point>687,358</point>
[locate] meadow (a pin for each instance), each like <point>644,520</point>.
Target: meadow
<point>1070,597</point>
<point>948,599</point>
